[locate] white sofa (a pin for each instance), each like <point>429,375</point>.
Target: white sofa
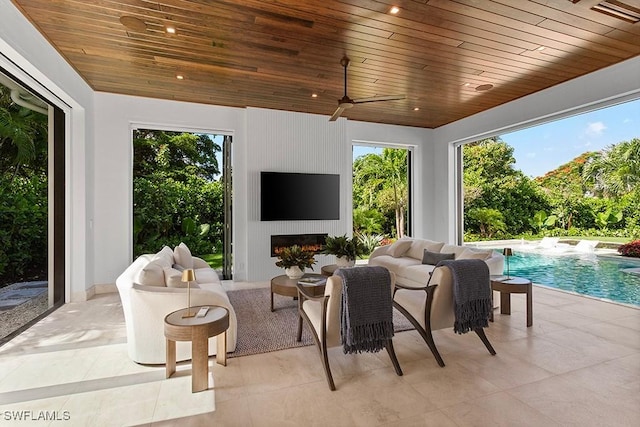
<point>150,288</point>
<point>405,258</point>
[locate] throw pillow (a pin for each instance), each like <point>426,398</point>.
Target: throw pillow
<point>182,256</point>
<point>433,258</point>
<point>471,254</point>
<point>399,247</point>
<point>151,274</point>
<point>165,255</point>
<point>173,278</point>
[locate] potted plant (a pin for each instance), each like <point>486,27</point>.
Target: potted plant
<point>344,248</point>
<point>294,260</point>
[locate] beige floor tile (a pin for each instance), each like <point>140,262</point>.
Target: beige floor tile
<point>118,406</point>
<point>428,419</point>
<point>504,370</point>
<point>572,405</point>
<point>632,321</point>
<point>310,404</point>
<point>600,310</point>
<point>231,413</point>
<point>578,365</point>
<point>590,344</point>
<point>175,398</point>
<point>450,385</point>
<point>498,409</point>
<point>618,334</point>
<point>550,356</point>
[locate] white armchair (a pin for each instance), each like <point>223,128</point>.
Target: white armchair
<point>323,315</point>
<point>145,308</point>
<point>431,307</point>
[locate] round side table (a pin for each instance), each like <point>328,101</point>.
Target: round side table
<point>512,285</point>
<point>198,330</point>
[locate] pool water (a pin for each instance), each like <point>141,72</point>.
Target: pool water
<point>587,274</point>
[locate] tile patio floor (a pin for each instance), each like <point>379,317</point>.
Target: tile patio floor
<point>579,364</point>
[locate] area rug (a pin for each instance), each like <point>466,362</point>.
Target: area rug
<point>261,331</point>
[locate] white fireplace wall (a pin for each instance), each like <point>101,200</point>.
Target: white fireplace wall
<point>281,141</point>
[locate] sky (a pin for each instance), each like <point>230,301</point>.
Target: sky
<point>543,148</point>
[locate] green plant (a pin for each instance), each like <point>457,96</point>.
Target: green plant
<point>295,255</point>
<point>343,246</point>
<point>370,241</point>
<point>607,218</point>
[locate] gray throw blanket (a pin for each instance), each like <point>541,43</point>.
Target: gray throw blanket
<point>366,321</point>
<point>471,293</point>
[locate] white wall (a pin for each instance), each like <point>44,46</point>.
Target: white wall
<point>262,140</point>
<point>29,57</point>
<point>115,117</point>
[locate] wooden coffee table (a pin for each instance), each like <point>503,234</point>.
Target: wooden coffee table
<point>328,270</point>
<point>198,330</point>
<point>284,286</point>
<point>513,285</point>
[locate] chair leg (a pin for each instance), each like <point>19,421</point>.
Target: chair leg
<point>485,340</point>
<point>428,338</point>
<point>327,369</point>
<point>299,337</point>
<point>392,356</point>
<point>322,348</point>
<point>424,333</point>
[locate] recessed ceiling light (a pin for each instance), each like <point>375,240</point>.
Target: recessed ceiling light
<point>314,95</point>
<point>467,84</point>
<point>133,23</point>
<point>416,108</point>
<point>179,77</point>
<point>482,88</point>
<point>394,10</point>
<point>170,29</point>
<point>540,49</point>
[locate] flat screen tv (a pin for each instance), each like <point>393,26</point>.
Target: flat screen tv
<point>288,196</point>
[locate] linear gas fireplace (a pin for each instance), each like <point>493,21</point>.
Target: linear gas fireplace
<point>313,242</point>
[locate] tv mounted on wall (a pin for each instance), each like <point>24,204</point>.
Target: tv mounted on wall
<point>286,196</point>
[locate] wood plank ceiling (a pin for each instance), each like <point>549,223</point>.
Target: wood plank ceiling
<point>277,54</point>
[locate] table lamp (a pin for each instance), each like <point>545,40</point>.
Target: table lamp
<point>508,253</point>
<point>188,276</point>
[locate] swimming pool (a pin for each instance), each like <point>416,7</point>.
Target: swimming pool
<point>587,274</point>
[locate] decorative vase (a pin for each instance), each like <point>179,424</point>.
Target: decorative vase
<point>343,261</point>
<point>294,272</point>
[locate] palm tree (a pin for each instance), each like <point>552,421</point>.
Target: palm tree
<point>383,179</point>
<point>616,170</point>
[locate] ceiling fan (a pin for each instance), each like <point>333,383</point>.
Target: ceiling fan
<point>346,102</point>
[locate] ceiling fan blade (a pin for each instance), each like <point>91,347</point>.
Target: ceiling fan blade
<point>379,98</point>
<point>337,113</point>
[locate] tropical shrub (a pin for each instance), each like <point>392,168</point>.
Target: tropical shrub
<point>370,241</point>
<point>343,246</point>
<point>631,249</point>
<point>24,232</point>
